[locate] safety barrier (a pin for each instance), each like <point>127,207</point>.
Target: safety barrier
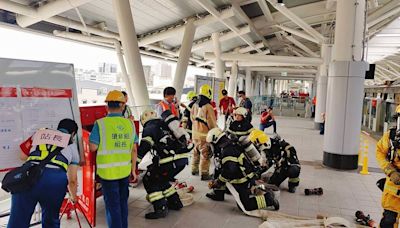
<point>286,106</point>
<point>363,153</point>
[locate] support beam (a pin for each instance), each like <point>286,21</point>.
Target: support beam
<point>386,15</point>
<point>218,63</point>
<point>381,68</point>
<point>330,4</point>
<point>51,9</point>
<point>227,36</point>
<point>302,46</point>
<point>233,80</point>
<point>268,16</point>
<point>298,33</point>
<point>392,68</point>
<point>207,5</point>
<point>297,20</point>
<point>345,87</point>
<point>183,61</point>
<point>267,58</point>
<point>130,45</point>
<point>382,11</point>
<point>248,82</point>
<point>283,69</point>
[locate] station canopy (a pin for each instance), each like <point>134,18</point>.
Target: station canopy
<point>248,27</point>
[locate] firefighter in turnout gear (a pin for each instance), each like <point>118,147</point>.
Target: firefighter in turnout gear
<point>388,157</point>
<point>186,120</point>
<point>281,155</point>
<point>204,119</point>
<point>170,156</point>
<point>240,126</point>
<point>236,169</point>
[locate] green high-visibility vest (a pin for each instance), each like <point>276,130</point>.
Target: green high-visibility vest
<point>114,155</point>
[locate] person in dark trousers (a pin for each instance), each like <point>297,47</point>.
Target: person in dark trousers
<point>226,104</point>
<point>267,120</point>
<point>51,188</point>
<point>281,155</point>
<point>113,139</point>
<point>170,157</point>
<point>245,102</point>
<point>235,168</point>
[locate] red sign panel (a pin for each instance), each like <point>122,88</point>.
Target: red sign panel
<point>8,92</point>
<point>87,200</point>
<point>43,92</point>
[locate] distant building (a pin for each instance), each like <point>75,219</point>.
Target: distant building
<point>149,75</point>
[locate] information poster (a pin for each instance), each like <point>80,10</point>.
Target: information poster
<point>10,128</point>
<point>217,84</point>
<point>25,110</point>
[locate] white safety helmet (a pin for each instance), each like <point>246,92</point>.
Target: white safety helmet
<point>214,135</point>
<point>147,115</point>
<point>240,111</point>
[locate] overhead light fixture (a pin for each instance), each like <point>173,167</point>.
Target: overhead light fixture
<point>388,35</point>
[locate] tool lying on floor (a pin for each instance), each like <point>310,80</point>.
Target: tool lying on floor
<point>313,191</point>
<point>365,220</point>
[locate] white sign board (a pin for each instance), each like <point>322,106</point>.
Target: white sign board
<point>33,95</point>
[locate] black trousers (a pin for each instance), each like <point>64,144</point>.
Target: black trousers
<point>157,185</point>
<point>292,172</point>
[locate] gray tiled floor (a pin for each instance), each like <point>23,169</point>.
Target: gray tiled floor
<point>344,192</point>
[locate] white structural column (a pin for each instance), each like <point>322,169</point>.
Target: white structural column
<point>322,84</point>
<point>233,80</point>
<point>124,72</point>
<point>262,85</point>
<point>219,64</point>
<point>345,88</point>
<point>248,82</point>
<point>184,55</point>
<point>240,84</point>
<point>130,46</point>
<point>269,86</point>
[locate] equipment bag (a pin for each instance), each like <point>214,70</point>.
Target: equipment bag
<point>23,178</point>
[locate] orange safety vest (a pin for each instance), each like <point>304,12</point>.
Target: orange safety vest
<point>168,107</point>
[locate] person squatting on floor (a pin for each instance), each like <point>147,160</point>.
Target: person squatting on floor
<point>233,167</point>
<point>281,155</point>
<point>388,157</point>
<point>204,119</point>
<point>169,146</point>
<point>267,120</point>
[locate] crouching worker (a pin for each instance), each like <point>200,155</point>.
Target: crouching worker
<point>280,154</point>
<point>170,156</point>
<point>237,170</point>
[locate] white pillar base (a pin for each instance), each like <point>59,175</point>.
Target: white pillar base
<point>343,114</point>
<point>322,86</point>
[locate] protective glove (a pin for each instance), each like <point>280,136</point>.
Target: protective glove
<point>395,178</point>
<point>214,184</point>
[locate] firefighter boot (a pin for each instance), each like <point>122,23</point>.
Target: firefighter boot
<point>174,202</point>
<point>216,195</point>
<point>271,200</point>
<point>160,211</point>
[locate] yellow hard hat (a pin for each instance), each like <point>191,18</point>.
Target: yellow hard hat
<point>240,111</point>
<point>190,95</point>
<point>147,115</point>
<point>206,91</point>
<point>258,137</point>
<point>115,95</point>
<point>398,109</point>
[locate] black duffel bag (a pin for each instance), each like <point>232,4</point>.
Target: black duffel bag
<point>23,178</point>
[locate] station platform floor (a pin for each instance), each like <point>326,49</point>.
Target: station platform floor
<point>345,192</point>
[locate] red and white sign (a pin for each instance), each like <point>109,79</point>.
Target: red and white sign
<point>8,92</point>
<point>44,92</point>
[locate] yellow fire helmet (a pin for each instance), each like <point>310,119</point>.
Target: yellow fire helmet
<point>206,91</point>
<point>190,95</point>
<point>398,109</point>
<point>147,115</point>
<point>258,137</point>
<point>115,95</point>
